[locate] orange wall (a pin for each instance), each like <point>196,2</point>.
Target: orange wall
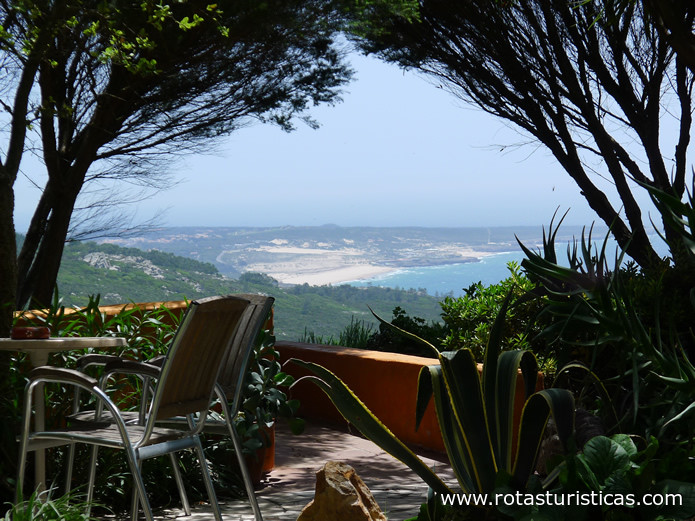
<point>385,382</point>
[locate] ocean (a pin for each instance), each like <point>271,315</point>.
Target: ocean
<point>454,278</point>
<point>445,279</point>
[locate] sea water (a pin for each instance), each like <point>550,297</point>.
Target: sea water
<point>453,279</point>
<point>449,278</point>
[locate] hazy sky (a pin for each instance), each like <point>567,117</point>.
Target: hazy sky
<point>397,151</point>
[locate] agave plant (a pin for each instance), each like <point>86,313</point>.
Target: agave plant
<point>632,328</point>
<point>475,415</point>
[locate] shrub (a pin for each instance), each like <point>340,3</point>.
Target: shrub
<point>641,379</point>
<point>469,318</point>
<point>386,339</point>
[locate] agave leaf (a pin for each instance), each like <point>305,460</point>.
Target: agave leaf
<point>431,382</point>
<point>686,413</point>
<point>534,417</point>
<point>357,413</point>
<point>406,334</point>
<point>505,398</point>
<point>492,354</point>
<point>596,380</point>
<point>465,392</point>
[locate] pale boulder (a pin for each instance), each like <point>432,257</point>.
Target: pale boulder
<point>341,496</point>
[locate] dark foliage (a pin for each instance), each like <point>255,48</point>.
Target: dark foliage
<point>590,83</point>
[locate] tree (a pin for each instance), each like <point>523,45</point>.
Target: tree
<point>591,83</point>
<point>675,19</point>
<point>104,89</point>
<point>116,84</point>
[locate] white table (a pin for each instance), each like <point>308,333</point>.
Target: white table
<point>38,350</point>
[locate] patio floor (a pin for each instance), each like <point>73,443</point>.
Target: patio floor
<point>290,486</point>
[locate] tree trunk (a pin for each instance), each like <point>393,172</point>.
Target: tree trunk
<point>8,271</point>
<point>8,259</point>
<point>38,284</point>
<point>32,240</point>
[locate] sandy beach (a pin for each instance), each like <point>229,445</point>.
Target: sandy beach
<point>331,276</point>
<point>320,267</point>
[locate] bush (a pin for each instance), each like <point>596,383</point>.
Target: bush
<point>386,339</point>
<point>469,318</point>
<point>631,330</point>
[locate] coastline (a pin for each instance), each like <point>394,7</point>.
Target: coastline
<point>331,275</point>
<point>326,270</point>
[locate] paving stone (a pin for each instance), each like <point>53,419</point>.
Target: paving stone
<point>290,486</point>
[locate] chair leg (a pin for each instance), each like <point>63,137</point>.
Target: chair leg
<point>208,481</point>
<point>68,472</point>
<point>135,464</point>
<point>21,468</point>
<point>179,484</point>
<point>92,478</point>
<point>244,469</point>
<point>134,503</point>
<point>24,442</point>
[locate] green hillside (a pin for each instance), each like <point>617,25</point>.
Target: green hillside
<point>122,275</point>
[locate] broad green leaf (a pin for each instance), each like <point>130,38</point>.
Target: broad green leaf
<point>626,443</point>
<point>605,457</point>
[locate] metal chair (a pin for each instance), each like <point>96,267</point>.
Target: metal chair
<point>185,385</point>
<point>228,388</point>
<point>230,381</point>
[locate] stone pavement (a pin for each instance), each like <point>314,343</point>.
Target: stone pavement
<point>290,486</point>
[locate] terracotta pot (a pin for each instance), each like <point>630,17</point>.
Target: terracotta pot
<point>263,461</point>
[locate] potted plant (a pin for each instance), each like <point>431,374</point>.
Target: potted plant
<point>263,403</point>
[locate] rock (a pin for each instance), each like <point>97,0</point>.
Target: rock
<point>341,496</point>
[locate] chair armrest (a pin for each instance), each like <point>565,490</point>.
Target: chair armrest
<point>95,359</point>
<point>74,377</point>
<point>157,360</point>
<point>60,374</point>
<point>123,366</point>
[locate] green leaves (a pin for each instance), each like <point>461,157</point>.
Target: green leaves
<point>263,400</point>
<point>614,467</point>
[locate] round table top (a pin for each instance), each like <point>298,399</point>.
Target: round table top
<point>65,343</point>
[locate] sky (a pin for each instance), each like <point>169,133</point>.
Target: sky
<point>398,151</point>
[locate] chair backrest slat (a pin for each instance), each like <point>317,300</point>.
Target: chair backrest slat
<point>195,357</point>
<point>236,361</point>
